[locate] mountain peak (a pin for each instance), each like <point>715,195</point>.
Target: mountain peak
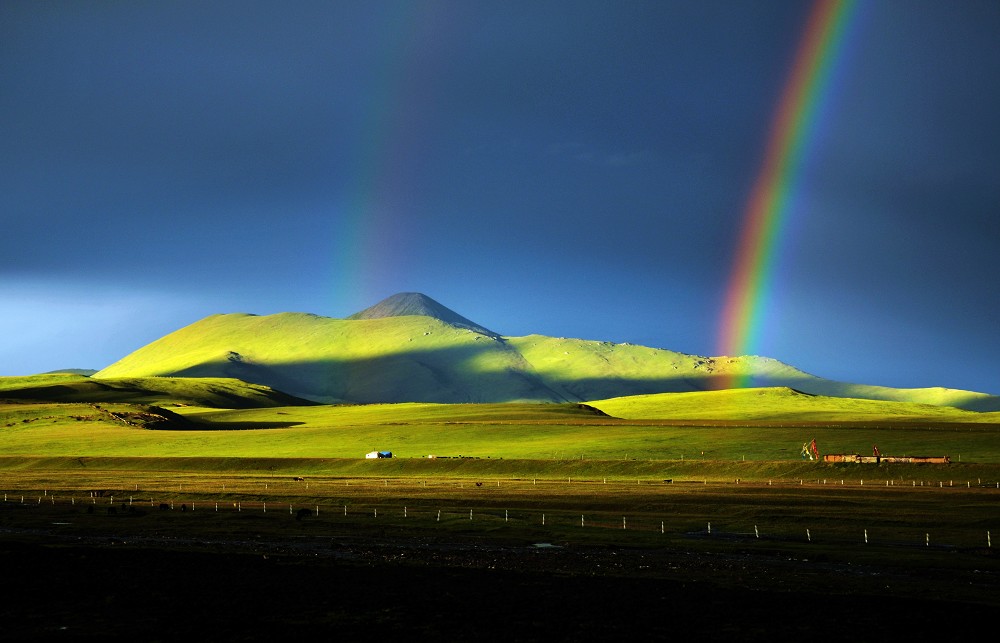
<point>414,303</point>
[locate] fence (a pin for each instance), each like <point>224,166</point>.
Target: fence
<point>560,522</point>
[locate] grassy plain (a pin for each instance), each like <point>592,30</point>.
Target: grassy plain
<point>503,431</point>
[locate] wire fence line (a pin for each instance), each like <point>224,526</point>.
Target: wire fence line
<point>557,521</point>
<point>256,483</point>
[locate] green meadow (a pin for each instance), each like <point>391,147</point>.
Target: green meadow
<point>177,418</point>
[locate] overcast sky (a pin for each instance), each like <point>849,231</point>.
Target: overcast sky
<point>570,168</point>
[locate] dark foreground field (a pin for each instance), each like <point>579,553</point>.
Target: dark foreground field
<point>399,589</point>
<point>175,556</point>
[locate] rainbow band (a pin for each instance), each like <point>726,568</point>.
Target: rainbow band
<point>380,164</point>
<point>767,208</point>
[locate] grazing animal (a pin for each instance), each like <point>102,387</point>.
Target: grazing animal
<point>303,513</point>
<point>299,478</point>
<point>164,506</point>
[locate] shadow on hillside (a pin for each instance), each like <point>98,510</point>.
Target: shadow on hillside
<point>199,424</point>
<point>455,374</point>
<point>78,392</point>
<point>127,391</point>
<point>489,371</point>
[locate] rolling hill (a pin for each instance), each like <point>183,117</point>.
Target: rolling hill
<point>208,392</point>
<point>783,405</point>
<point>410,348</point>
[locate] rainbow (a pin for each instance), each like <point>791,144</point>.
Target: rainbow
<point>378,167</point>
<point>794,122</point>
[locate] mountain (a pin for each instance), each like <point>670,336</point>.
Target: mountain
<point>406,304</point>
<point>410,348</point>
<point>389,359</point>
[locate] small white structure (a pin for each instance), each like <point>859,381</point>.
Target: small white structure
<point>378,454</point>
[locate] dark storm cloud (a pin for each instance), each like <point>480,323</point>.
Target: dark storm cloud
<point>517,161</point>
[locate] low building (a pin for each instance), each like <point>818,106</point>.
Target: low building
<point>378,454</point>
<point>880,459</point>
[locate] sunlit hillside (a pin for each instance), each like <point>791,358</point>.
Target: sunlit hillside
<point>404,357</point>
<point>781,405</point>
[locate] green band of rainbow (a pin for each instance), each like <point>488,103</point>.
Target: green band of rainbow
<point>767,208</point>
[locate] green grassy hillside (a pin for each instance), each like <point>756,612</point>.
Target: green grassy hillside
<point>213,392</point>
<point>782,405</point>
<point>411,358</point>
<point>417,358</point>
